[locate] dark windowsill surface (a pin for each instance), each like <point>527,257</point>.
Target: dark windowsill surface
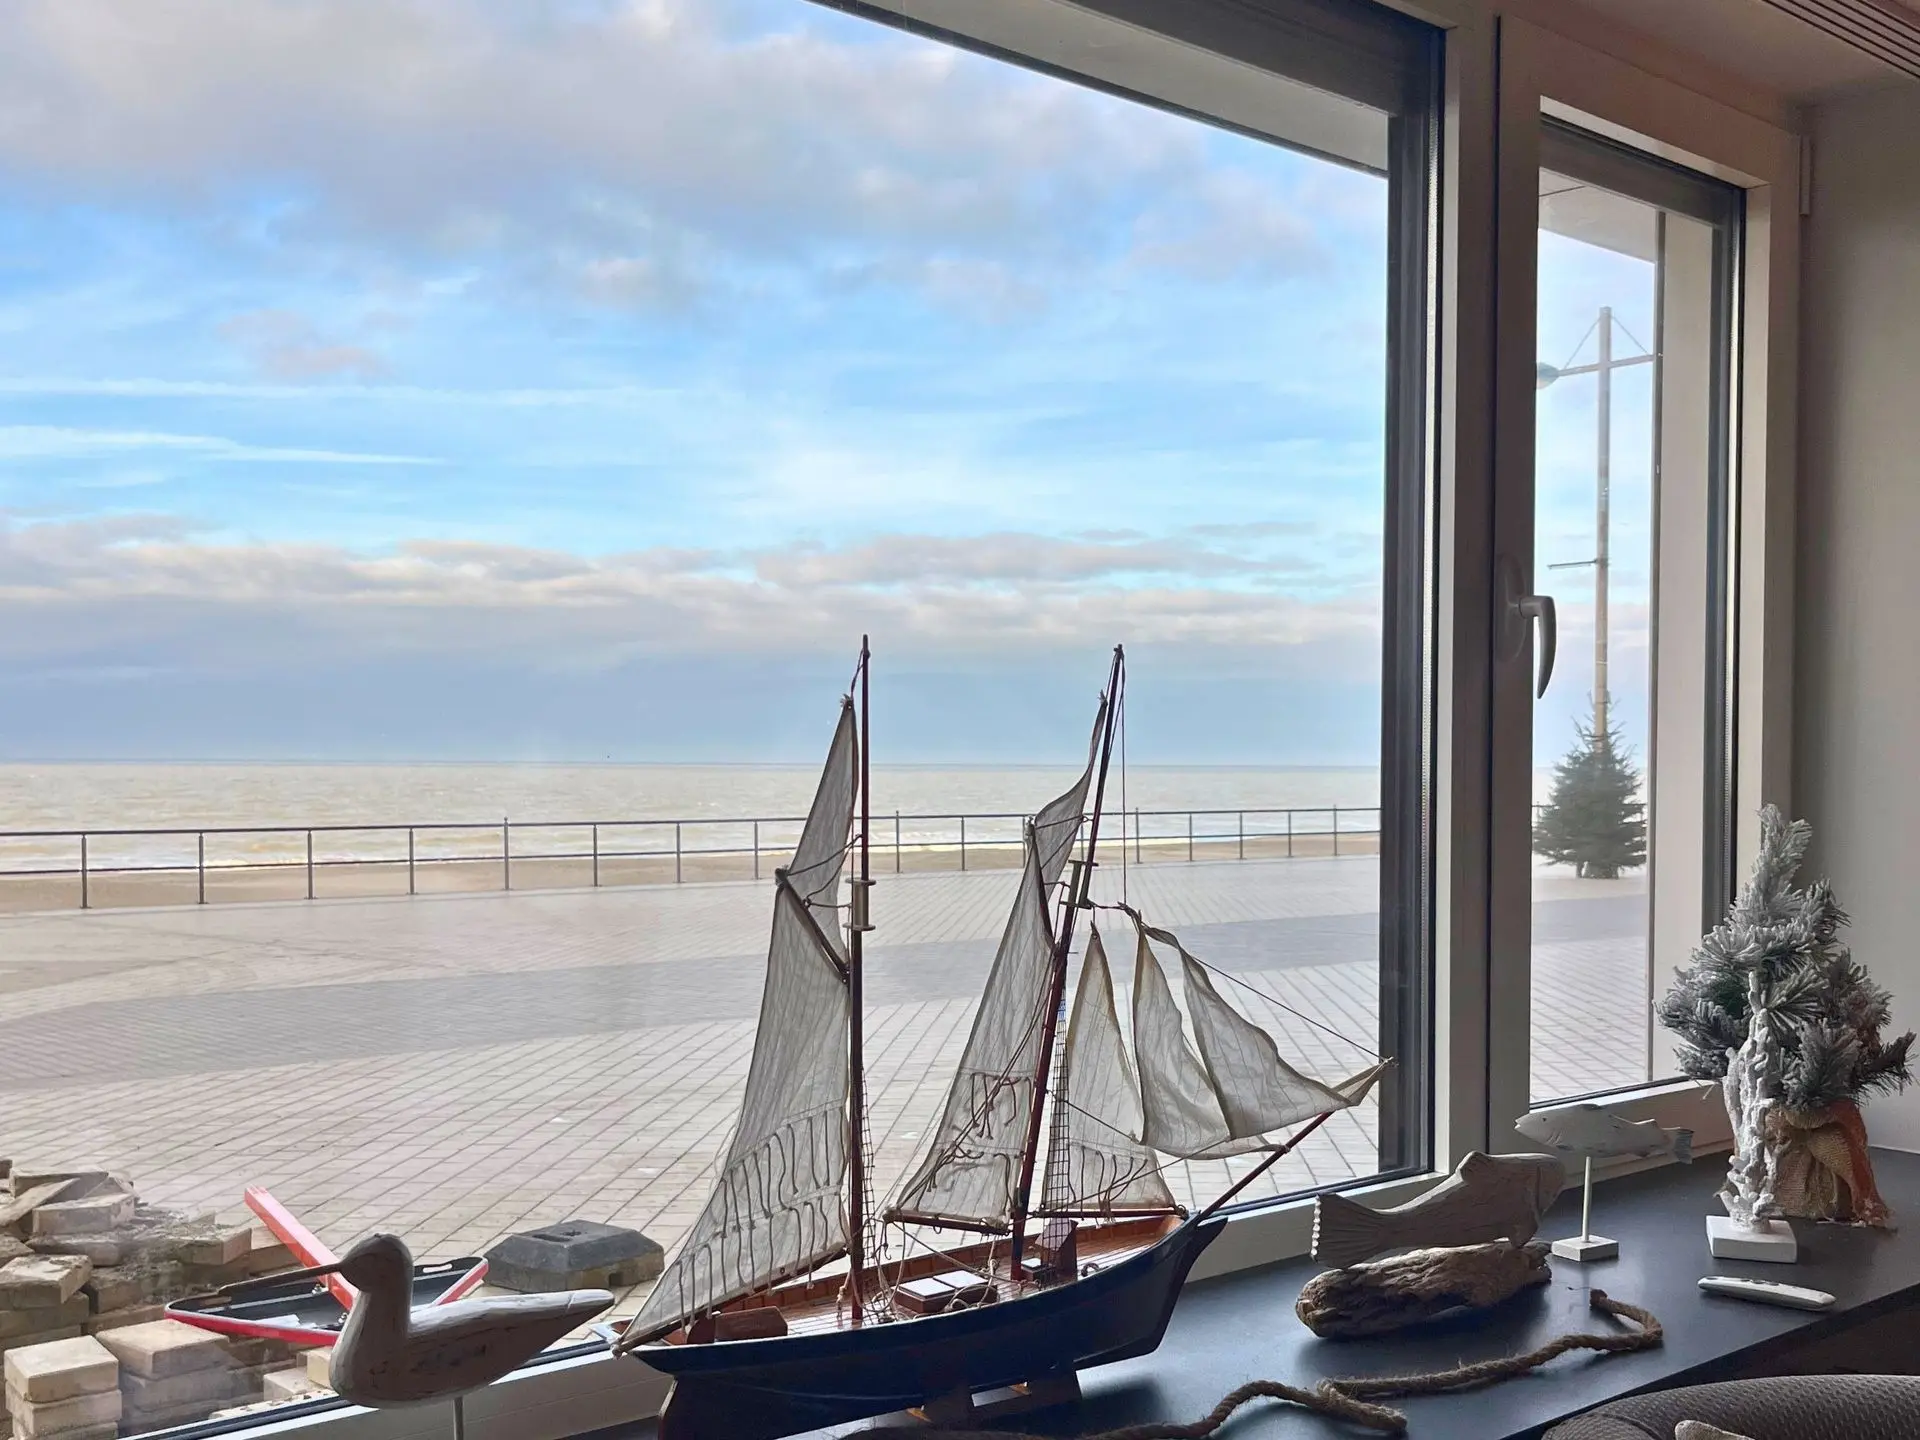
<point>1242,1327</point>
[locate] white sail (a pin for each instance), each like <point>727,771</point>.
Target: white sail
<point>778,1207</point>
<point>969,1170</point>
<point>1229,1097</point>
<point>1097,1164</point>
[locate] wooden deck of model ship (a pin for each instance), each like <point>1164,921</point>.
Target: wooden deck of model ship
<point>819,1304</point>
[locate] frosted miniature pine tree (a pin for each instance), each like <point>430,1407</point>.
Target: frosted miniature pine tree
<point>1775,1008</point>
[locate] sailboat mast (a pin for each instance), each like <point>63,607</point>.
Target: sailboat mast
<point>856,1023</point>
<point>1078,888</point>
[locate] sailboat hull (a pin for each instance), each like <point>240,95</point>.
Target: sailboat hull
<point>763,1389</point>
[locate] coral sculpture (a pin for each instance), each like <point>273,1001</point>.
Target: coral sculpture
<point>1775,1008</point>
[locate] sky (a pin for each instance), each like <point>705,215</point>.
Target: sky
<point>437,379</point>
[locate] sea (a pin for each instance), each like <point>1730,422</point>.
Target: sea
<point>715,805</point>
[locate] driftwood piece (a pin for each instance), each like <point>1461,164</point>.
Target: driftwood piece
<point>1416,1287</point>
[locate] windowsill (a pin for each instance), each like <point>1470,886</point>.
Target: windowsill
<point>559,1398</point>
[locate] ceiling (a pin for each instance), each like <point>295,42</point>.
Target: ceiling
<point>1761,42</point>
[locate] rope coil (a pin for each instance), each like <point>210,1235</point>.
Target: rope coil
<point>1351,1399</point>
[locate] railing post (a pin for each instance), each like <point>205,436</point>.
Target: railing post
<point>506,853</point>
<point>1336,829</point>
<point>1243,834</point>
<point>1189,837</point>
<point>963,842</point>
<point>200,863</point>
<point>1136,835</point>
<point>1289,834</point>
<point>596,857</point>
<point>86,901</point>
<point>309,864</point>
<point>410,860</point>
<point>756,849</point>
<point>676,852</point>
<point>896,842</point>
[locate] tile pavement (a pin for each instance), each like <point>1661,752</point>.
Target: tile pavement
<point>457,1068</point>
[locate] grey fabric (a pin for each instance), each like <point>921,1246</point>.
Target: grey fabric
<point>1794,1407</point>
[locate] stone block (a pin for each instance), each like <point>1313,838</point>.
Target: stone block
<point>42,1280</point>
<point>215,1385</point>
<point>106,1431</point>
<point>79,1413</point>
<point>573,1255</point>
<point>114,1289</point>
<point>163,1348</point>
<point>13,1249</point>
<point>100,1249</point>
<point>318,1372</point>
<point>60,1370</point>
<point>198,1279</point>
<point>266,1254</point>
<point>65,1332</point>
<point>223,1246</point>
<point>75,1181</point>
<point>116,1319</point>
<point>286,1386</point>
<point>16,1324</point>
<point>95,1215</point>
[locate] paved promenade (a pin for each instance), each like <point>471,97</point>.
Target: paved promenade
<point>457,1068</point>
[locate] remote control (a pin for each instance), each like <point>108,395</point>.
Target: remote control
<point>1767,1292</point>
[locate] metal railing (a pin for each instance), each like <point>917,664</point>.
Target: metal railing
<point>646,848</point>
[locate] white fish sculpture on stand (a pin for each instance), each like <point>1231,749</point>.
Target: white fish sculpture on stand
<point>1488,1197</point>
<point>1584,1132</point>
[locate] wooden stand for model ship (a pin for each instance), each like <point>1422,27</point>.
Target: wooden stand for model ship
<point>763,1340</point>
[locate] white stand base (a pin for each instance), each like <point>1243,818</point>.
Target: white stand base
<point>1730,1241</point>
<point>1586,1247</point>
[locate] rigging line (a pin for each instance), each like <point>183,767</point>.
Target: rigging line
<point>1277,1003</point>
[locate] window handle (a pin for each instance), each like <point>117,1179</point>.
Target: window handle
<point>1519,611</point>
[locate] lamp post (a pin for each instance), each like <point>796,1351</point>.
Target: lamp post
<point>1602,370</point>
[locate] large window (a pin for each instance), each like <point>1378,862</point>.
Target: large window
<point>454,453</point>
<point>1632,806</point>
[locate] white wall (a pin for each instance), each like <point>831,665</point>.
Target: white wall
<point>1857,722</point>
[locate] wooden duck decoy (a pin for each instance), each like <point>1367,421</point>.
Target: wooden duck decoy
<point>391,1354</point>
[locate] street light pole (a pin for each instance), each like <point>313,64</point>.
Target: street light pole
<point>1603,505</point>
<point>1602,370</point>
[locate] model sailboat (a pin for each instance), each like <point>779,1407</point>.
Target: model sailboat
<point>782,1311</point>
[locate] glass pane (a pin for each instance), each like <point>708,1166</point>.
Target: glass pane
<point>438,535</point>
<point>1628,475</point>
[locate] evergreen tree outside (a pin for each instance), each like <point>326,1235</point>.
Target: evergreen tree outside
<point>1593,821</point>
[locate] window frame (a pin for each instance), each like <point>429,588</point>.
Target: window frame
<point>1499,76</point>
<point>1547,78</point>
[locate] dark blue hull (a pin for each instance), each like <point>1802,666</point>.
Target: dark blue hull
<point>763,1389</point>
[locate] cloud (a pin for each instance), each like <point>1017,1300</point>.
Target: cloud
<point>1234,228</point>
<point>286,346</point>
<point>1009,559</point>
<point>145,586</point>
<point>61,442</point>
<point>639,145</point>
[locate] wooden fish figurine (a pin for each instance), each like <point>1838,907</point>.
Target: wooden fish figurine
<point>1488,1197</point>
<point>1588,1131</point>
